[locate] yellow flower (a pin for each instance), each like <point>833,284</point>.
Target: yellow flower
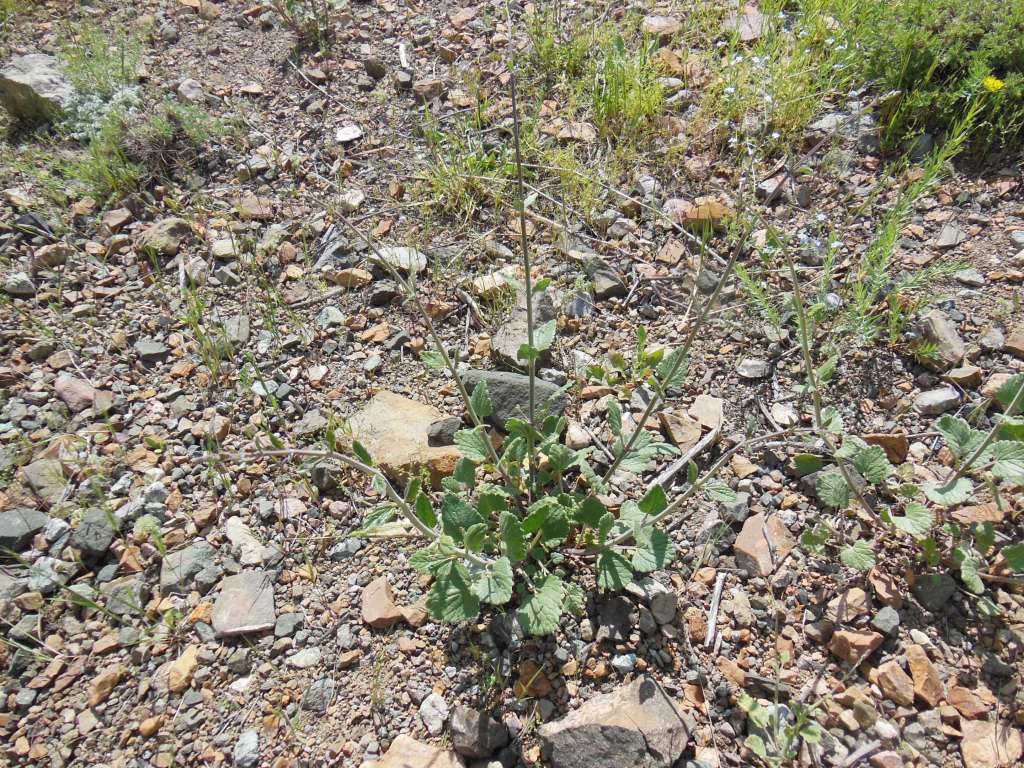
<point>992,84</point>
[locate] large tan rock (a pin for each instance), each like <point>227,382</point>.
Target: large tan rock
<point>990,745</point>
<point>406,752</point>
<point>637,725</point>
<point>394,430</point>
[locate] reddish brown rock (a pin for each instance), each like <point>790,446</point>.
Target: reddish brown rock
<point>885,588</point>
<point>927,683</point>
<point>852,646</point>
<point>968,703</point>
<point>896,447</point>
<point>762,544</point>
<point>895,683</point>
<point>77,394</point>
<point>379,609</point>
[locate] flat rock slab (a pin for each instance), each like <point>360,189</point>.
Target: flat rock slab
<point>33,88</point>
<point>510,395</point>
<point>637,725</point>
<point>395,430</point>
<point>761,545</point>
<point>406,752</point>
<point>245,604</point>
<point>18,526</point>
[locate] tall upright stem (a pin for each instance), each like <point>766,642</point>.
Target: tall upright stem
<point>531,363</point>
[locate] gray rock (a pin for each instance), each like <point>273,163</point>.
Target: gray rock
<point>950,236</point>
<point>992,339</point>
<point>151,351</point>
<point>624,663</point>
<point>94,534</point>
<point>434,713</point>
<point>753,368</point>
<point>46,479</point>
<point>510,394</point>
<point>306,658</point>
<point>48,574</point>
<point>475,734</point>
<point>972,278</point>
<point>319,695</point>
<point>938,329</point>
<point>18,526</point>
<point>886,621</point>
<point>934,590</point>
<point>935,401</point>
<point>615,619</point>
<point>179,569</point>
<point>247,749</point>
<point>637,726</point>
<point>345,549</point>
<point>330,317</point>
<point>126,596</point>
<point>512,333</point>
<point>236,328</point>
<point>737,510</point>
<point>607,285</point>
<point>245,604</point>
<point>442,431</point>
<point>19,284</point>
<point>33,88</point>
<point>287,623</point>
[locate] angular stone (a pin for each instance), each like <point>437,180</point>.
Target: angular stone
<point>927,682</point>
<point>395,430</point>
<point>512,333</point>
<point>940,331</point>
<point>967,702</point>
<point>661,27</point>
<point>935,401</point>
<point>762,544</point>
<point>18,527</point>
<point>179,569</point>
<point>33,88</point>
<point>1015,342</point>
<point>895,683</point>
<point>379,610</point>
<point>180,671</point>
<point>683,431</point>
<point>510,394</point>
<point>94,534</point>
<point>703,213</point>
<point>475,734</point>
<point>46,479</point>
<point>933,590</point>
<point>852,646</point>
<point>244,543</point>
<point>245,604</point>
<point>990,745</point>
<point>849,605</point>
<point>406,752</point>
<point>637,725</point>
<point>164,237</point>
<point>404,259</point>
<point>753,368</point>
<point>125,596</point>
<point>76,393</point>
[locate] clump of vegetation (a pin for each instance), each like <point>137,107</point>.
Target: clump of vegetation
<point>133,149</point>
<point>937,54</point>
<point>509,525</point>
<point>309,20</point>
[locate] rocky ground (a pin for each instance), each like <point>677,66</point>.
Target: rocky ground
<point>167,602</point>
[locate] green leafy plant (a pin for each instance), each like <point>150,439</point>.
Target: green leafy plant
<point>785,728</point>
<point>985,461</point>
<point>511,527</point>
<point>309,20</point>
